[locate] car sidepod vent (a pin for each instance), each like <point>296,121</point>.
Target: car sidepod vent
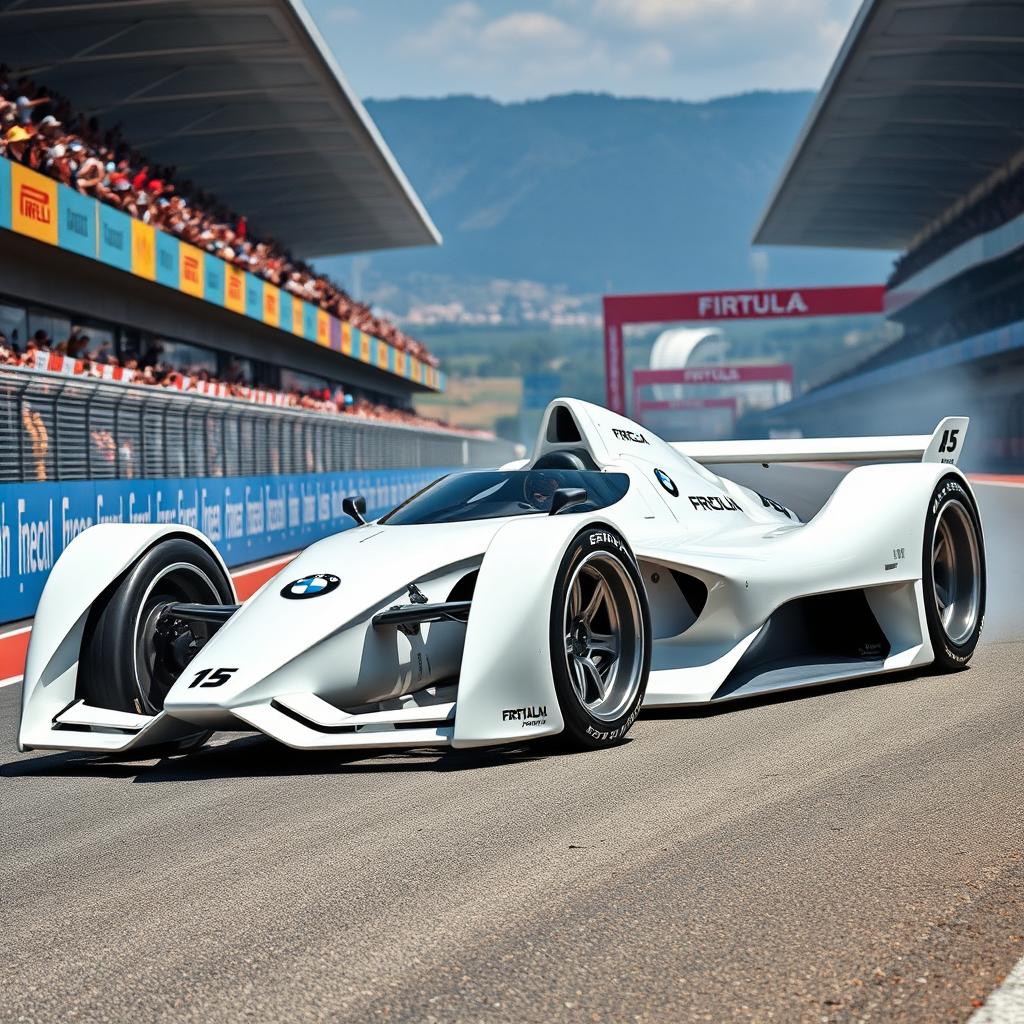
<point>694,591</point>
<point>562,428</point>
<point>463,590</point>
<point>822,637</point>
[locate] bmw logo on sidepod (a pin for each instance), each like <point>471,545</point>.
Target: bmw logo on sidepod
<point>311,586</point>
<point>667,482</point>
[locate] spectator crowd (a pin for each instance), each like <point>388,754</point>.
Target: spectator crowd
<point>40,129</point>
<point>1000,203</point>
<point>97,361</point>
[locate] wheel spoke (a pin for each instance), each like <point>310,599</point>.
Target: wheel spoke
<point>594,677</point>
<point>576,598</point>
<point>579,680</point>
<point>597,599</point>
<point>604,643</point>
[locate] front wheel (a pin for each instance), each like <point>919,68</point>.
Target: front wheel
<point>954,575</point>
<point>120,666</point>
<point>600,639</point>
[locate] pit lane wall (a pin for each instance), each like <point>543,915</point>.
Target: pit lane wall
<point>247,517</point>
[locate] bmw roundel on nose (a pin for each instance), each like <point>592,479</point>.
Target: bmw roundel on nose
<point>310,586</point>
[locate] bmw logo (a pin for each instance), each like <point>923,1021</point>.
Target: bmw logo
<point>667,482</point>
<point>311,586</point>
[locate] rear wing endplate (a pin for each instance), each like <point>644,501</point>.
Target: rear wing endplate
<point>943,445</point>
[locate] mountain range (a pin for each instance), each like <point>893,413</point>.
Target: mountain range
<point>591,193</point>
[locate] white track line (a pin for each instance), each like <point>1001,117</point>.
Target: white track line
<point>11,680</point>
<point>1005,1005</point>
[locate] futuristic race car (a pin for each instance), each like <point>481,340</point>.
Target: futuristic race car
<point>553,596</point>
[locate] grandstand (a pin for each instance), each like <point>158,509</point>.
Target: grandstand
<point>914,144</point>
<point>168,168</point>
<point>132,134</point>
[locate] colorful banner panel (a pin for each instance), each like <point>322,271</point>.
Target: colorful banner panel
<point>115,237</point>
<point>34,205</point>
<point>168,260</point>
<point>309,321</point>
<point>41,208</point>
<point>143,250</point>
<point>190,269</point>
<point>287,317</point>
<point>247,518</point>
<point>271,305</point>
<point>5,194</point>
<point>253,297</point>
<point>76,227</point>
<point>234,288</point>
<point>213,278</point>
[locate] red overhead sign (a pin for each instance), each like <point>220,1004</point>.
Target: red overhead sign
<point>686,404</point>
<point>752,304</point>
<point>745,305</point>
<point>714,375</point>
<point>699,375</point>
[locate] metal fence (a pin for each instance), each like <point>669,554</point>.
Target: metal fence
<point>74,428</point>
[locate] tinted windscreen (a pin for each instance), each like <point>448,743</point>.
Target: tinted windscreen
<point>465,496</point>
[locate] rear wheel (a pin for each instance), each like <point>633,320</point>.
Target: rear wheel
<point>954,575</point>
<point>120,667</point>
<point>600,640</point>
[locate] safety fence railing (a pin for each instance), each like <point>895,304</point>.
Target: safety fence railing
<point>73,428</point>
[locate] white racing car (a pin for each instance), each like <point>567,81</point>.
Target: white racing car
<point>555,596</point>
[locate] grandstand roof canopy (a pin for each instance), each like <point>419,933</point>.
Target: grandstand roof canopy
<point>925,101</point>
<point>242,96</point>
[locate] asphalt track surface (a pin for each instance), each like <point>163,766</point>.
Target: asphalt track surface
<point>835,855</point>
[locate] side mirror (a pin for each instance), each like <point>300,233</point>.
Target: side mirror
<point>566,497</point>
<point>355,508</point>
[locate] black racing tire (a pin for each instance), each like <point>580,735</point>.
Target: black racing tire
<point>599,701</point>
<point>119,667</point>
<point>954,575</point>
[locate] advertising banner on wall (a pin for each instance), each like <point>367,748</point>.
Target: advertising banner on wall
<point>247,518</point>
<point>76,230</point>
<point>5,194</point>
<point>115,238</point>
<point>34,205</point>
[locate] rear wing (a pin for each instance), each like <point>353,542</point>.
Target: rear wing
<point>944,445</point>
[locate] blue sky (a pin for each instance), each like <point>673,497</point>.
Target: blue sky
<point>516,49</point>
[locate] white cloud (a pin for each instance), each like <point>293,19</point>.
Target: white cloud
<point>342,14</point>
<point>659,14</point>
<point>456,27</point>
<point>531,28</point>
<point>687,48</point>
<point>650,14</point>
<point>534,49</point>
<point>771,43</point>
<point>462,33</point>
